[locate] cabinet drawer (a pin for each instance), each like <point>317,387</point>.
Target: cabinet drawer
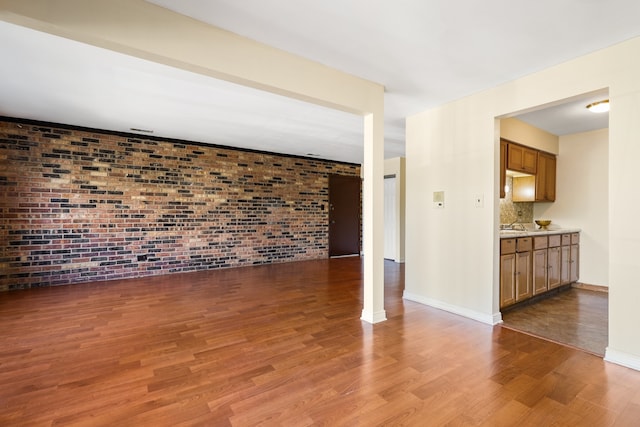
<point>566,239</point>
<point>540,242</point>
<point>575,238</point>
<point>507,246</point>
<point>554,240</point>
<point>524,244</point>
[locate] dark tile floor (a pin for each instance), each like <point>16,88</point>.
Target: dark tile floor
<point>576,317</point>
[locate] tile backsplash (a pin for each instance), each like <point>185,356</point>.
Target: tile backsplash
<point>509,209</point>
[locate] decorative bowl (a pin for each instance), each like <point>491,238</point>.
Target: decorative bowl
<point>543,223</point>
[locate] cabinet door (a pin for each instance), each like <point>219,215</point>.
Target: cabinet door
<point>553,267</point>
<point>565,269</point>
<point>546,178</point>
<point>522,159</point>
<point>574,263</point>
<point>507,280</point>
<point>539,271</point>
<point>530,160</point>
<point>523,276</point>
<point>524,188</point>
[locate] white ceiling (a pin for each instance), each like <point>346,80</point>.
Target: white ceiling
<point>58,80</point>
<point>569,116</point>
<point>425,52</point>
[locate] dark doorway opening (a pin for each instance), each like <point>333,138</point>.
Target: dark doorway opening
<point>344,215</point>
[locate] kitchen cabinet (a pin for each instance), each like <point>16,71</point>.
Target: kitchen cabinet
<point>545,185</point>
<point>524,277</point>
<point>575,258</point>
<point>532,265</point>
<point>521,158</point>
<point>507,272</point>
<point>540,265</point>
<point>554,263</point>
<point>569,254</point>
<point>507,280</point>
<point>524,188</point>
<point>539,185</point>
<point>515,270</point>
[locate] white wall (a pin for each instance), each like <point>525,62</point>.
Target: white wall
<point>452,253</point>
<point>582,200</point>
<point>449,251</point>
<point>523,133</point>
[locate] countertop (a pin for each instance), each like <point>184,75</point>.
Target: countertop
<point>504,234</point>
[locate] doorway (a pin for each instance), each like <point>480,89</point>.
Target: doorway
<point>390,219</point>
<point>344,215</point>
<point>579,316</point>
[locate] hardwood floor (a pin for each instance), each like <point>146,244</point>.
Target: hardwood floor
<point>576,317</point>
<point>283,345</point>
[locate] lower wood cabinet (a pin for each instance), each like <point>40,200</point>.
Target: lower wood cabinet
<point>540,265</point>
<point>553,268</point>
<point>524,278</point>
<point>507,279</point>
<point>569,254</point>
<point>531,266</point>
<point>516,280</point>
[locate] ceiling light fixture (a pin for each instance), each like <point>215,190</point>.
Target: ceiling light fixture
<point>599,107</point>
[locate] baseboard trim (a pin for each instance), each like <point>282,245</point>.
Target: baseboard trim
<point>588,287</point>
<point>623,359</point>
<point>377,317</point>
<point>489,319</point>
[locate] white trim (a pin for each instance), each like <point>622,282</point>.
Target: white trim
<point>489,319</point>
<point>621,358</point>
<point>496,318</point>
<point>377,317</point>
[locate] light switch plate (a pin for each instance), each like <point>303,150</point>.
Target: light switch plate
<point>478,199</point>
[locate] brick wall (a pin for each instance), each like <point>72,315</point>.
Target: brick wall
<point>78,205</point>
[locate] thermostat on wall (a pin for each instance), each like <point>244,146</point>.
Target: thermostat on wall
<point>438,199</point>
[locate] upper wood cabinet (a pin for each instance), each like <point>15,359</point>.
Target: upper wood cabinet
<point>524,188</point>
<point>546,178</point>
<point>540,184</point>
<point>522,159</point>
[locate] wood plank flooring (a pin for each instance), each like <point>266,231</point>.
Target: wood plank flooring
<point>283,345</point>
<point>576,317</point>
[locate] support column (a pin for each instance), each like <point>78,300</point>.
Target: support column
<point>373,220</point>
